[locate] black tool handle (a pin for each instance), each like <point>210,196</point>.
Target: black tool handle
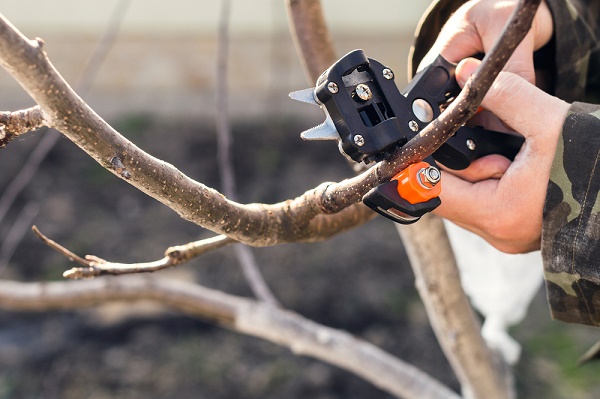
<point>437,85</point>
<point>471,143</point>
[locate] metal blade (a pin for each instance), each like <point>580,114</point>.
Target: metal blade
<point>306,96</point>
<point>325,131</point>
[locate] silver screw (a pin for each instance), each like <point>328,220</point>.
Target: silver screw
<point>363,92</point>
<point>429,177</point>
<point>433,175</point>
<point>414,126</point>
<point>333,87</point>
<point>388,74</point>
<point>359,140</point>
<point>471,144</point>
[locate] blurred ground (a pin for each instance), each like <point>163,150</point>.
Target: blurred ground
<point>360,282</point>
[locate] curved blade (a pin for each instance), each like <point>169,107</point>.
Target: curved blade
<point>305,96</point>
<point>325,131</point>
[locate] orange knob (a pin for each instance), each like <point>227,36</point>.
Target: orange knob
<point>419,182</point>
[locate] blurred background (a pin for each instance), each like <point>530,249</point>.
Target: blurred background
<point>150,69</point>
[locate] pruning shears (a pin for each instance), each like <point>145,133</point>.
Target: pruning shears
<point>370,118</point>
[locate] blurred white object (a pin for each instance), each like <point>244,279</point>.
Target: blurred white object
<point>500,286</point>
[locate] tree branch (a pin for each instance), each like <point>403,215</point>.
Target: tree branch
<point>244,254</point>
<point>301,219</point>
<point>311,37</point>
<point>93,266</point>
<point>14,124</point>
<point>285,328</point>
<point>482,374</point>
<point>255,224</point>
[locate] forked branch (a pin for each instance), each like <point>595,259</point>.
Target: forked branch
<point>93,266</point>
<point>305,218</point>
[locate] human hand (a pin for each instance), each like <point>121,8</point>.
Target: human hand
<point>475,27</point>
<point>494,198</point>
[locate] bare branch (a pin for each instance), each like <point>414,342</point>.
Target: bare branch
<point>244,255</point>
<point>255,224</point>
<point>311,36</point>
<point>467,102</point>
<point>13,124</point>
<point>59,248</point>
<point>93,266</point>
<point>285,328</point>
<point>482,374</point>
<point>16,233</point>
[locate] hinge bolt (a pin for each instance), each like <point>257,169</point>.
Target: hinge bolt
<point>471,144</point>
<point>363,92</point>
<point>414,126</point>
<point>429,177</point>
<point>332,87</point>
<point>388,74</point>
<point>359,140</point>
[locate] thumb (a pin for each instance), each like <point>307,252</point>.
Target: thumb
<point>518,103</point>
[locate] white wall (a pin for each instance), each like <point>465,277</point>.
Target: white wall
<point>164,59</point>
<point>184,16</point>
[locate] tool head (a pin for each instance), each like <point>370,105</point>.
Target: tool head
<point>362,107</point>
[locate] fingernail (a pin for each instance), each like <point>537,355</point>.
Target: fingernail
<point>465,69</point>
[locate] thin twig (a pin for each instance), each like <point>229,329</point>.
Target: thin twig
<point>244,255</point>
<point>59,248</point>
<point>224,140</point>
<point>16,233</point>
<point>93,266</point>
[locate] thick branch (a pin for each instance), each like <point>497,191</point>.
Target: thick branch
<point>285,328</point>
<point>311,36</point>
<point>481,373</point>
<point>255,224</point>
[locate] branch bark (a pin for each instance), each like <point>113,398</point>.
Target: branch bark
<point>311,37</point>
<point>482,373</point>
<point>14,124</point>
<point>285,328</point>
<point>93,266</point>
<point>254,224</point>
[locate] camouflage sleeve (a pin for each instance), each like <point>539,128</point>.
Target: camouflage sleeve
<point>571,223</point>
<point>575,48</point>
<point>571,61</point>
<point>429,27</point>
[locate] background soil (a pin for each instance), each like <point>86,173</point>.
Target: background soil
<point>359,281</point>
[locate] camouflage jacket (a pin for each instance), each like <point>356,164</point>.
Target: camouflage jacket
<point>571,219</point>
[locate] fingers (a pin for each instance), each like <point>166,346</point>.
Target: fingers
<point>488,167</point>
<point>475,27</point>
<point>507,221</point>
<point>519,104</point>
